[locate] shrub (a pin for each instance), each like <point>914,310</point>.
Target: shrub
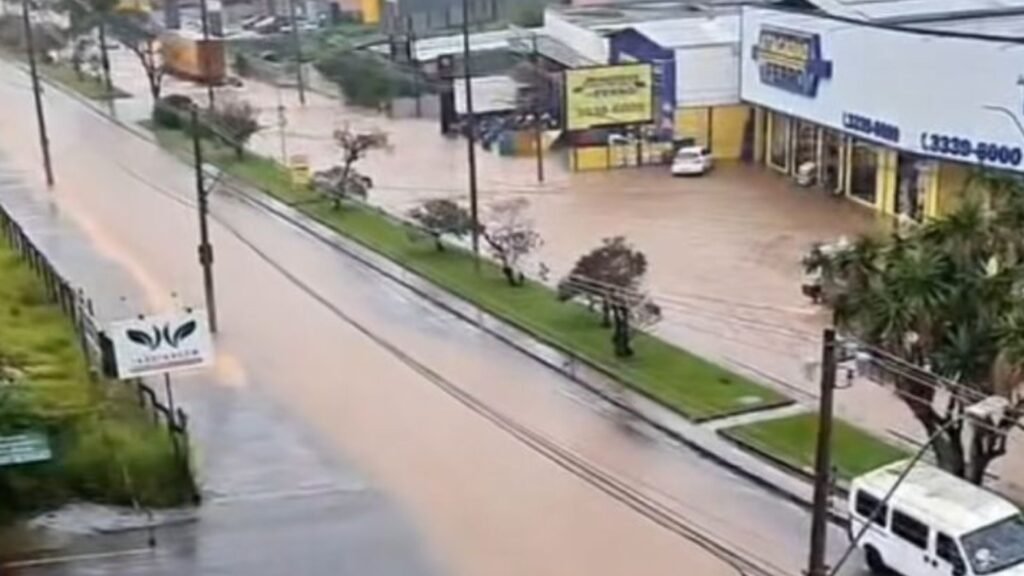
<point>171,110</point>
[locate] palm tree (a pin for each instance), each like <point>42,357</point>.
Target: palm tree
<point>947,301</point>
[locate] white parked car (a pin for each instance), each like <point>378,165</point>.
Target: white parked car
<point>935,524</point>
<point>691,161</point>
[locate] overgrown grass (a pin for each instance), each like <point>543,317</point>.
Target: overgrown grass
<point>670,375</point>
<point>793,439</point>
<point>104,448</point>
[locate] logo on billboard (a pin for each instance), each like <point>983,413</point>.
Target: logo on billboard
<point>608,96</point>
<point>791,60</point>
<point>158,344</point>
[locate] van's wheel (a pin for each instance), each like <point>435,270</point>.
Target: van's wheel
<point>874,560</point>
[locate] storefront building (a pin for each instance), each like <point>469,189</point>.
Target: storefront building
<point>695,80</point>
<point>876,114</point>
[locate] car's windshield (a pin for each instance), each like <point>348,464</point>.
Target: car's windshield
<point>996,547</point>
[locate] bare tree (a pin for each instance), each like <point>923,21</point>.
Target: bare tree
<point>236,121</point>
<point>344,181</point>
<point>442,217</point>
<point>137,31</point>
<point>510,236</point>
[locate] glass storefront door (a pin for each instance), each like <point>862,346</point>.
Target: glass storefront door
<point>778,142</point>
<point>805,148</point>
<point>864,172</point>
<point>832,167</point>
<point>913,176</point>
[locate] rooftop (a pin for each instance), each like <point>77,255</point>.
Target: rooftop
<point>907,11</point>
<point>939,498</point>
<point>625,14</point>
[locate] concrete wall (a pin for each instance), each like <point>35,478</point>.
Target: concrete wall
<point>707,76</point>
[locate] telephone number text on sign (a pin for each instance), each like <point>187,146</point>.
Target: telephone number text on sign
<point>985,152</point>
<point>610,112</point>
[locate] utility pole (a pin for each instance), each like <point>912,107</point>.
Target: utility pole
<point>823,457</point>
<point>298,52</point>
<point>470,134</point>
<point>105,57</point>
<point>205,17</point>
<point>37,91</point>
<point>540,102</point>
<point>205,249</point>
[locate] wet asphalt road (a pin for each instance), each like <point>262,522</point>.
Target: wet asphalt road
<point>480,501</point>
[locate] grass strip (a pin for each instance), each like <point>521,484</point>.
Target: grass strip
<point>792,441</point>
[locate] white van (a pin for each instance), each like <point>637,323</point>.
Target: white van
<point>935,525</point>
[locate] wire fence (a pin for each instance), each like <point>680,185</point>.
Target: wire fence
<point>74,304</point>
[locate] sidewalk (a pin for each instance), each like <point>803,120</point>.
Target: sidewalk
<point>724,250</point>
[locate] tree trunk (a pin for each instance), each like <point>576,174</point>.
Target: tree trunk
<point>620,333</point>
<point>606,314</point>
<point>509,274</point>
<point>437,243</point>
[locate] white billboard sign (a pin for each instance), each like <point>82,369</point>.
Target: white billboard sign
<point>954,98</point>
<point>159,344</point>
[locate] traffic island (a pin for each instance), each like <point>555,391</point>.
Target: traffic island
<point>790,443</point>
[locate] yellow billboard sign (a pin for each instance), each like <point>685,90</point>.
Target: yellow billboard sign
<point>608,95</point>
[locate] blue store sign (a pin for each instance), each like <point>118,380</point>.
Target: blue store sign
<point>791,60</point>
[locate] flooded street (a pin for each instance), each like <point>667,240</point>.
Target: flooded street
<point>500,465</point>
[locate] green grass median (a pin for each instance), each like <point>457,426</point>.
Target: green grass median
<point>792,441</point>
<point>686,383</point>
<point>105,447</point>
<point>91,87</point>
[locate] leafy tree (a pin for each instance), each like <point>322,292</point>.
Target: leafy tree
<point>510,236</point>
<point>440,217</point>
<point>137,31</point>
<point>612,274</point>
<point>235,121</point>
<point>943,305</point>
<point>344,181</point>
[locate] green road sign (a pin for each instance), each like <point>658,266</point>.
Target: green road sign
<point>24,448</point>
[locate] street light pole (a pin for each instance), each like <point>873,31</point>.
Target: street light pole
<point>298,52</point>
<point>205,17</point>
<point>471,134</point>
<point>823,457</point>
<point>205,249</point>
<point>44,140</point>
<point>540,103</point>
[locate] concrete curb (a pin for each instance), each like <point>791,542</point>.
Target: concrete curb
<point>705,442</point>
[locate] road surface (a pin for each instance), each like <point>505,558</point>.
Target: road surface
<point>501,465</point>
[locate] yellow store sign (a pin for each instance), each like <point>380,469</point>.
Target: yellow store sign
<point>608,96</point>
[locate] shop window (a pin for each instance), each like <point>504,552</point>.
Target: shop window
<point>778,139</point>
<point>864,173</point>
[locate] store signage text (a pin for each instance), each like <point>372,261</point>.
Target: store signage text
<point>871,127</point>
<point>984,152</point>
<point>791,60</point>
